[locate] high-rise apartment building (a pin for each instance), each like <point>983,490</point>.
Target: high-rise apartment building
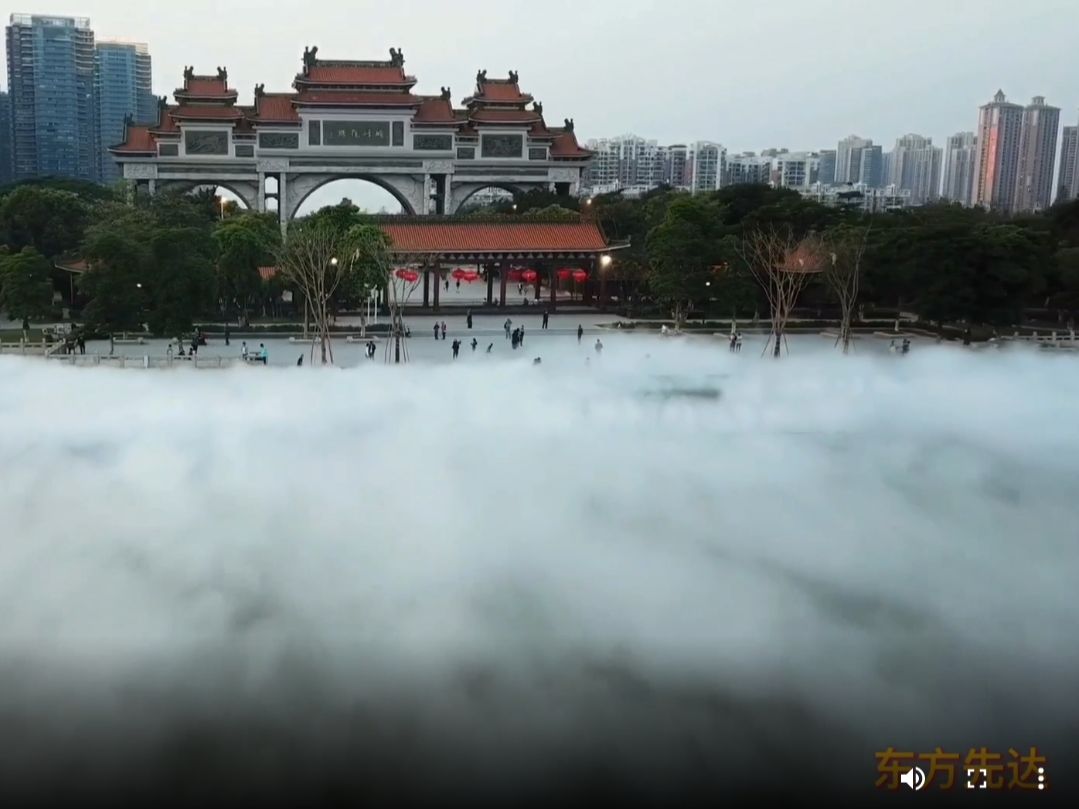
<point>996,166</point>
<point>870,166</point>
<point>675,165</point>
<point>848,159</point>
<point>915,167</point>
<point>797,170</point>
<point>959,160</point>
<point>826,170</point>
<point>50,62</point>
<point>708,161</point>
<point>748,169</point>
<point>122,82</point>
<point>1069,154</point>
<point>5,138</point>
<point>1037,156</point>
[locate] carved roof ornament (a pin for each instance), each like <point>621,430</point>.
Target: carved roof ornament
<point>189,73</point>
<point>222,74</point>
<point>260,90</point>
<point>163,103</point>
<point>129,119</point>
<point>445,93</point>
<point>397,57</point>
<point>481,76</point>
<point>537,106</point>
<point>513,76</point>
<point>569,124</point>
<point>310,56</point>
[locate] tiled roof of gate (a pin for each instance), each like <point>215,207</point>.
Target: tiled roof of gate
<point>435,110</point>
<point>384,75</point>
<point>565,145</point>
<point>139,141</point>
<point>493,116</point>
<point>434,236</point>
<point>276,108</point>
<point>334,98</point>
<point>501,91</point>
<point>206,113</point>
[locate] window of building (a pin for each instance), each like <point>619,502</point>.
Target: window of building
<point>399,133</point>
<point>314,133</point>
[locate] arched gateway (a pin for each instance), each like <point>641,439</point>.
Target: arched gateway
<point>352,119</point>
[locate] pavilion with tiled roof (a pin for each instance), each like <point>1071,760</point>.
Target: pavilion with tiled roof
<point>358,119</point>
<point>497,247</point>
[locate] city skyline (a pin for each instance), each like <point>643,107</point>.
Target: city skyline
<point>873,162</point>
<point>831,98</point>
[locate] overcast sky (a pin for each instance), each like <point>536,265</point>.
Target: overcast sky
<point>793,73</point>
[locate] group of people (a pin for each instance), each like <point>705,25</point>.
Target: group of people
<point>256,356</point>
<point>901,348</point>
<point>440,327</point>
<point>736,342</point>
<point>456,346</point>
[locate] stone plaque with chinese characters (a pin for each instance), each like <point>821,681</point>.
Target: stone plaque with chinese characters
<point>432,143</point>
<point>502,145</point>
<point>202,142</point>
<point>356,133</point>
<point>279,140</point>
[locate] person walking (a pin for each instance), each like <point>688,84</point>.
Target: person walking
<point>436,330</point>
<point>475,343</point>
<point>456,346</point>
<point>226,334</point>
<point>507,326</point>
<point>300,360</point>
<point>468,318</point>
<point>443,329</point>
<point>243,350</point>
<point>737,342</point>
<point>546,315</point>
<point>489,347</point>
<point>599,346</point>
<point>80,341</point>
<point>521,336</point>
<point>580,332</point>
<point>263,354</point>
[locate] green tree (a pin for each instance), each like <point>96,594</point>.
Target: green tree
<point>49,220</point>
<point>182,284</point>
<point>25,286</point>
<point>684,252</point>
<point>118,252</point>
<point>244,244</point>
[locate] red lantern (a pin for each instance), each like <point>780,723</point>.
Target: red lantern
<point>529,276</point>
<point>411,276</point>
<point>513,275</point>
<point>459,273</point>
<point>580,276</point>
<point>564,274</point>
<point>469,276</point>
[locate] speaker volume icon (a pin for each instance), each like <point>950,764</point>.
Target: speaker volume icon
<point>915,779</point>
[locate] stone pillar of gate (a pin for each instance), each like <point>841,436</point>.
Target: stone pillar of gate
<point>554,283</point>
<point>282,202</point>
<point>262,193</point>
<point>426,288</point>
<point>502,272</point>
<point>438,283</point>
<point>539,280</point>
<point>490,283</point>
